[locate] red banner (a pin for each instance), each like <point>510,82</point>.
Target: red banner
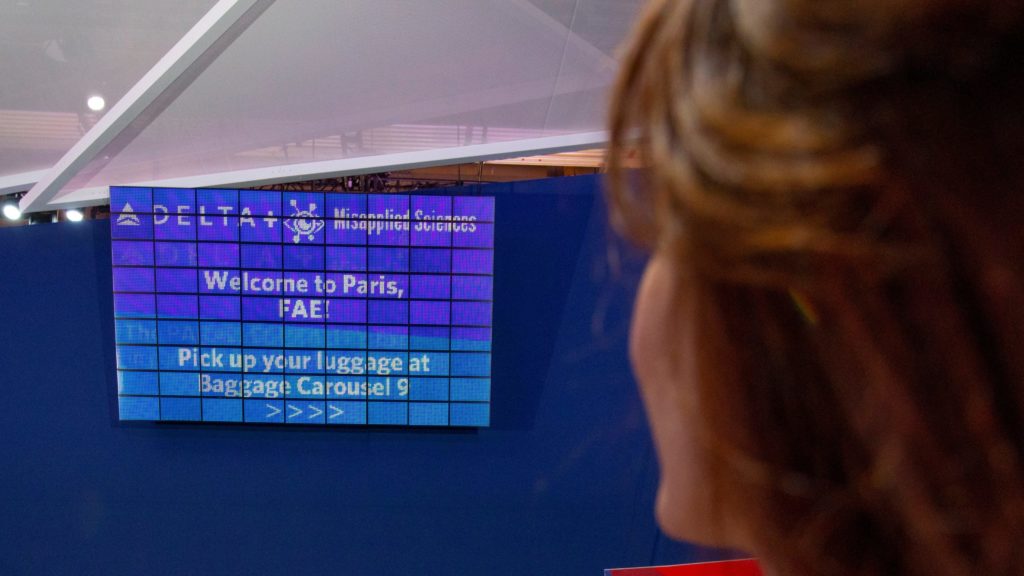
<point>729,568</point>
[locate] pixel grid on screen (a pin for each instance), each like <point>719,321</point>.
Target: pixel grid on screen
<point>265,306</point>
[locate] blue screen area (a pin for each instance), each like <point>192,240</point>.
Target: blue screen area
<point>273,307</point>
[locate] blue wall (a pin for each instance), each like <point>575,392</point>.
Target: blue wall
<point>562,483</point>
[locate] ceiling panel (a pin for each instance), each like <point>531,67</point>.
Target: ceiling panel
<point>54,54</point>
<point>308,82</point>
<point>320,80</point>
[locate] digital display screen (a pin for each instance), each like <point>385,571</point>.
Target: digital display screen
<point>302,307</point>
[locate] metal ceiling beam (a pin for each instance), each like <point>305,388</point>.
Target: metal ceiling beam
<point>20,182</point>
<point>176,70</point>
<point>353,166</point>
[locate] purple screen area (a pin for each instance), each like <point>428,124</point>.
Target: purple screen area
<point>274,307</point>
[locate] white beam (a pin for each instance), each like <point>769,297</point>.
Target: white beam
<point>353,166</point>
<point>20,182</point>
<point>177,67</point>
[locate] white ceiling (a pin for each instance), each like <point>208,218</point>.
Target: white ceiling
<point>291,88</point>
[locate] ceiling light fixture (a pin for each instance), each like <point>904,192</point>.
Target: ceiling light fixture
<point>96,103</point>
<point>74,215</point>
<point>11,210</point>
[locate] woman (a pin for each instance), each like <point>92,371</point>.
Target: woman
<point>829,337</point>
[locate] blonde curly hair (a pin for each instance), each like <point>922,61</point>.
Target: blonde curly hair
<point>842,184</point>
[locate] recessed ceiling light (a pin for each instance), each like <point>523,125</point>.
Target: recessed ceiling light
<point>96,103</point>
<point>74,215</point>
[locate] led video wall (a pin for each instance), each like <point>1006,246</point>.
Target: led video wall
<point>302,307</point>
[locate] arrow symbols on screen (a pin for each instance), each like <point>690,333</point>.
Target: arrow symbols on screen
<point>312,411</point>
<point>335,411</point>
<point>274,411</point>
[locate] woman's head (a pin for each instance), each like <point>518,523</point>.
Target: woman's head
<point>830,336</point>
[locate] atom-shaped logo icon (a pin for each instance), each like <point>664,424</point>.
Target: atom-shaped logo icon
<point>303,222</point>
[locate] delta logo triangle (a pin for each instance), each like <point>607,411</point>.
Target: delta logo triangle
<point>128,217</point>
